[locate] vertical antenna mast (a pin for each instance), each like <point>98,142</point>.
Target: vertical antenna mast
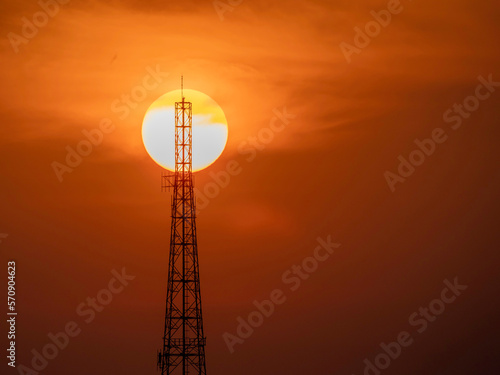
<point>183,350</point>
<point>182,88</point>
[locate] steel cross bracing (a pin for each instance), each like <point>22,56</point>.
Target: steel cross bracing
<point>183,340</point>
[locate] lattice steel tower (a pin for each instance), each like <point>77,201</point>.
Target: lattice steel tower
<point>183,349</point>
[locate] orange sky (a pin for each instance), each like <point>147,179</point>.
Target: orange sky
<point>322,174</point>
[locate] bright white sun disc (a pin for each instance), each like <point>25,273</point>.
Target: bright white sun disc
<point>210,129</point>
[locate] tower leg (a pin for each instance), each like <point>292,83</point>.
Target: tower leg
<point>184,342</point>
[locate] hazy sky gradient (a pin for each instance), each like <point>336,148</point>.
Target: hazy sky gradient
<point>322,175</point>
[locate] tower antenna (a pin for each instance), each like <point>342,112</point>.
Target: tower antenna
<point>184,341</point>
<point>182,87</point>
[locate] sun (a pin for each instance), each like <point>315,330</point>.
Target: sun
<point>210,129</point>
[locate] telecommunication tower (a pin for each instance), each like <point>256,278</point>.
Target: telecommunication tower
<point>184,343</point>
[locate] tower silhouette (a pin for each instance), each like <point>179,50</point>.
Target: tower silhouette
<point>183,349</point>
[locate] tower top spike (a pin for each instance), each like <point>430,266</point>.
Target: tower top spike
<point>182,87</point>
